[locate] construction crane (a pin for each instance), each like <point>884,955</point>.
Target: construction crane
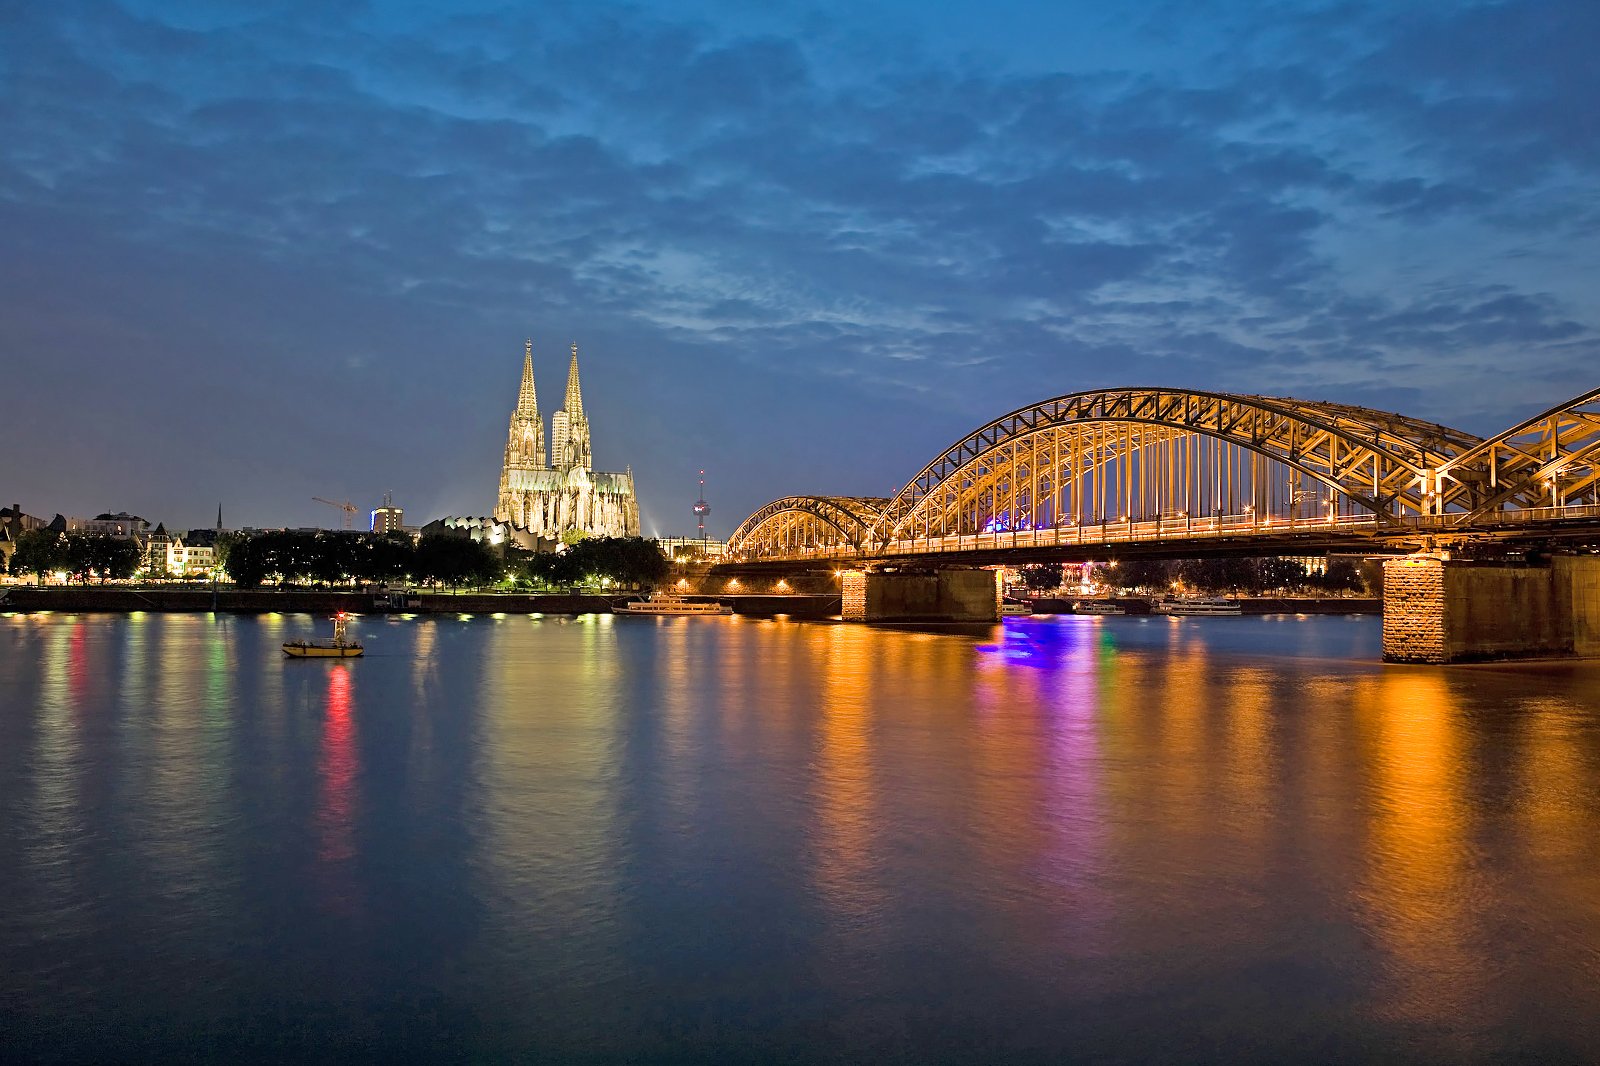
<point>350,510</point>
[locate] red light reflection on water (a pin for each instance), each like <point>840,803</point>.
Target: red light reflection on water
<point>78,664</point>
<point>336,770</point>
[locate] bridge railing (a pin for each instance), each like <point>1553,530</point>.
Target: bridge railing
<point>822,554</point>
<point>1519,516</point>
<point>1168,530</point>
<point>1111,532</point>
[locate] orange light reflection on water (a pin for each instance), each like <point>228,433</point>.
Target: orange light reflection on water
<point>1419,887</point>
<point>844,862</point>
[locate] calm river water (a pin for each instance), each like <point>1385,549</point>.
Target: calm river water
<point>675,840</point>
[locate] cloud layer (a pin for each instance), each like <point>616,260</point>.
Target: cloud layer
<point>804,252</point>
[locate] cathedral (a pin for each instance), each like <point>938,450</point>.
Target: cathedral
<point>544,498</point>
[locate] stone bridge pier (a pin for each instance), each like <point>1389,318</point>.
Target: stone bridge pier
<point>1440,610</point>
<point>921,595</point>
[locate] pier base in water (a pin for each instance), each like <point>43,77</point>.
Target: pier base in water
<point>924,596</point>
<point>1438,610</point>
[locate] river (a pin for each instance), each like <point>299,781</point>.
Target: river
<point>606,839</point>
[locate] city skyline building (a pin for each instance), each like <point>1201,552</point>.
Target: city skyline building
<point>388,518</point>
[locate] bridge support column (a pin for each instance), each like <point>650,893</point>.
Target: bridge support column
<point>1437,610</point>
<point>936,596</point>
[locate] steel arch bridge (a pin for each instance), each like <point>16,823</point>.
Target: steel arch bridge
<point>1549,461</point>
<point>1172,468</point>
<point>801,525</point>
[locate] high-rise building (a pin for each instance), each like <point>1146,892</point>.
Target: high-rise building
<point>547,497</point>
<point>388,518</point>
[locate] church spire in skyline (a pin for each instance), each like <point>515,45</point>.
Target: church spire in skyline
<point>525,443</point>
<point>569,429</point>
<point>574,406</point>
<point>528,398</point>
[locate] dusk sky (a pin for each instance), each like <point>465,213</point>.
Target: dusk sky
<point>256,252</point>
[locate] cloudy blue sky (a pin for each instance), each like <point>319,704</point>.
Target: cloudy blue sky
<point>258,251</point>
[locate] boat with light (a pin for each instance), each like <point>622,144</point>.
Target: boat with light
<point>1009,610</point>
<point>670,603</point>
<point>337,648</point>
<point>1191,606</point>
<point>1097,607</point>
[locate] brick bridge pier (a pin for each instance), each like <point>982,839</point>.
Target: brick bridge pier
<point>920,596</point>
<point>1441,610</point>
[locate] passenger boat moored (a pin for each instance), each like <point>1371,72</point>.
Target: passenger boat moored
<point>1196,605</point>
<point>669,603</point>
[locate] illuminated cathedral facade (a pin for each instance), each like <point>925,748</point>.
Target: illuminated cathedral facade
<point>546,496</point>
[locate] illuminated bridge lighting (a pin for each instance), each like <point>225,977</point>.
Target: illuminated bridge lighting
<point>1160,466</point>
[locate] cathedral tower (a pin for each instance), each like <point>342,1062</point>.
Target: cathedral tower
<point>544,499</point>
<point>525,445</point>
<point>569,429</point>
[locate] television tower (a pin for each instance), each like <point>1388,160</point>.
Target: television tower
<point>702,508</point>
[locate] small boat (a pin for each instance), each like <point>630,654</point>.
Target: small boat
<point>1013,609</point>
<point>1097,607</point>
<point>337,648</point>
<point>1196,605</point>
<point>673,604</point>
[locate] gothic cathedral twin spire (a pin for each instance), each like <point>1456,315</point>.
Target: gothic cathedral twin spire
<point>548,497</point>
<point>569,428</point>
<point>526,444</point>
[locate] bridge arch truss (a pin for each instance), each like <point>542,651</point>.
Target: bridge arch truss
<point>1129,456</point>
<point>1551,461</point>
<point>1090,469</point>
<point>798,527</point>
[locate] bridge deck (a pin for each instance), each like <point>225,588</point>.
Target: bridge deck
<point>1237,534</point>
